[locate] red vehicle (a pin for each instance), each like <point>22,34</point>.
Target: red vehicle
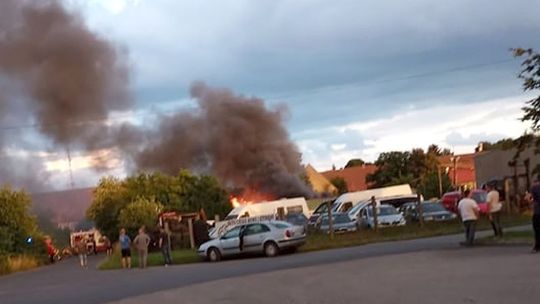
<point>450,200</point>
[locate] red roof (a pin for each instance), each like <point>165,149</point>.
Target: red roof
<point>354,176</point>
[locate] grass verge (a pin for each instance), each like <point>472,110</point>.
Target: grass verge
<point>11,264</point>
<point>510,238</point>
<point>319,241</point>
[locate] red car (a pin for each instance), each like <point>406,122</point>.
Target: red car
<point>450,200</point>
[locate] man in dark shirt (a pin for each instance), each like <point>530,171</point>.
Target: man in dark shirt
<point>534,197</point>
<point>165,245</point>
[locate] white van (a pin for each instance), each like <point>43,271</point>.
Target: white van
<point>282,206</point>
<point>348,200</point>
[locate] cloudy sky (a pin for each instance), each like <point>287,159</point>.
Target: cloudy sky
<point>358,77</point>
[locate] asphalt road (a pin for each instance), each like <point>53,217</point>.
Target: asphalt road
<point>65,282</point>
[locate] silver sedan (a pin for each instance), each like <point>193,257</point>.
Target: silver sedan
<point>268,238</point>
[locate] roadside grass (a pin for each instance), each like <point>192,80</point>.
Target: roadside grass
<point>181,256</point>
<point>18,263</point>
<point>516,238</point>
<point>320,241</point>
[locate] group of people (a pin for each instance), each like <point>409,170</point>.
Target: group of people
<point>470,212</point>
<point>141,243</point>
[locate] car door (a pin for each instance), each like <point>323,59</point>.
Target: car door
<point>255,235</point>
<point>230,241</point>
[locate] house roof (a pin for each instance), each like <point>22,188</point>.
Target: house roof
<point>319,183</point>
<point>354,176</point>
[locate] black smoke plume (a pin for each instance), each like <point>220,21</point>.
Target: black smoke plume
<point>236,138</point>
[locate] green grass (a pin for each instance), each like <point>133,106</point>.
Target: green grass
<point>181,256</point>
<point>319,241</point>
<point>18,263</point>
<point>509,238</point>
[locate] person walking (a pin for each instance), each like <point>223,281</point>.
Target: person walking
<point>534,198</point>
<point>125,248</point>
<point>141,241</point>
<point>165,245</point>
<point>468,210</point>
<point>494,207</point>
<point>108,246</point>
<point>82,251</point>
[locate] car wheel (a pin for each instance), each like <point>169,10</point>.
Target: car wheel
<point>214,255</point>
<point>271,249</point>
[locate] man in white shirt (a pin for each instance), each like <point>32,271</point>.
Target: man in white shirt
<point>494,207</point>
<point>468,210</point>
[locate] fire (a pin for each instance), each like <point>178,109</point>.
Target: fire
<point>238,201</point>
<point>247,198</point>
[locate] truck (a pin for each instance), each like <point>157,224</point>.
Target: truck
<point>348,200</point>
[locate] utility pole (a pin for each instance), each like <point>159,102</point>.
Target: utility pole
<point>440,180</point>
<point>420,210</point>
<point>374,211</point>
<point>330,220</point>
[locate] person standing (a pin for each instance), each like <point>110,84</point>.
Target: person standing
<point>141,241</point>
<point>534,198</point>
<point>82,251</point>
<point>165,245</point>
<point>108,246</point>
<point>468,210</point>
<point>125,248</point>
<point>494,207</point>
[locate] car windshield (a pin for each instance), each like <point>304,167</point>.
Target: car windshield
<point>432,207</point>
<point>357,208</point>
<point>479,197</point>
<point>385,210</point>
<point>323,207</point>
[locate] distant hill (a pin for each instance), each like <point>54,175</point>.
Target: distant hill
<point>63,207</point>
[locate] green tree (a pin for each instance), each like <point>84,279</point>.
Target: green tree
<point>503,144</point>
<point>392,169</point>
<point>16,223</point>
<point>141,212</point>
<point>341,184</point>
<point>184,192</point>
<point>110,197</point>
<point>530,74</point>
<point>355,162</point>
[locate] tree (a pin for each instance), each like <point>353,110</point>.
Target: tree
<point>503,144</point>
<point>530,74</point>
<point>110,197</point>
<point>16,224</point>
<point>392,169</point>
<point>355,162</point>
<point>341,184</point>
<point>184,192</point>
<point>141,212</point>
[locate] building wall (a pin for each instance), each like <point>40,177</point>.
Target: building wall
<point>493,165</point>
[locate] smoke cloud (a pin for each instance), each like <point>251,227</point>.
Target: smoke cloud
<point>233,137</point>
<point>70,79</point>
<point>57,74</point>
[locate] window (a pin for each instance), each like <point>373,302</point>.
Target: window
<point>232,233</point>
<point>295,209</point>
<point>256,229</point>
<point>345,207</point>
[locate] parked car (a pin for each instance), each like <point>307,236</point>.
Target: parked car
<point>297,219</point>
<point>321,209</point>
<point>387,215</point>
<point>431,211</point>
<point>450,200</point>
<point>267,238</point>
<point>353,213</point>
<point>341,223</point>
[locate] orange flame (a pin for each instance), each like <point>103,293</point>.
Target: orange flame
<point>238,201</point>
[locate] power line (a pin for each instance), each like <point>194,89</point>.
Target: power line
<point>282,96</point>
